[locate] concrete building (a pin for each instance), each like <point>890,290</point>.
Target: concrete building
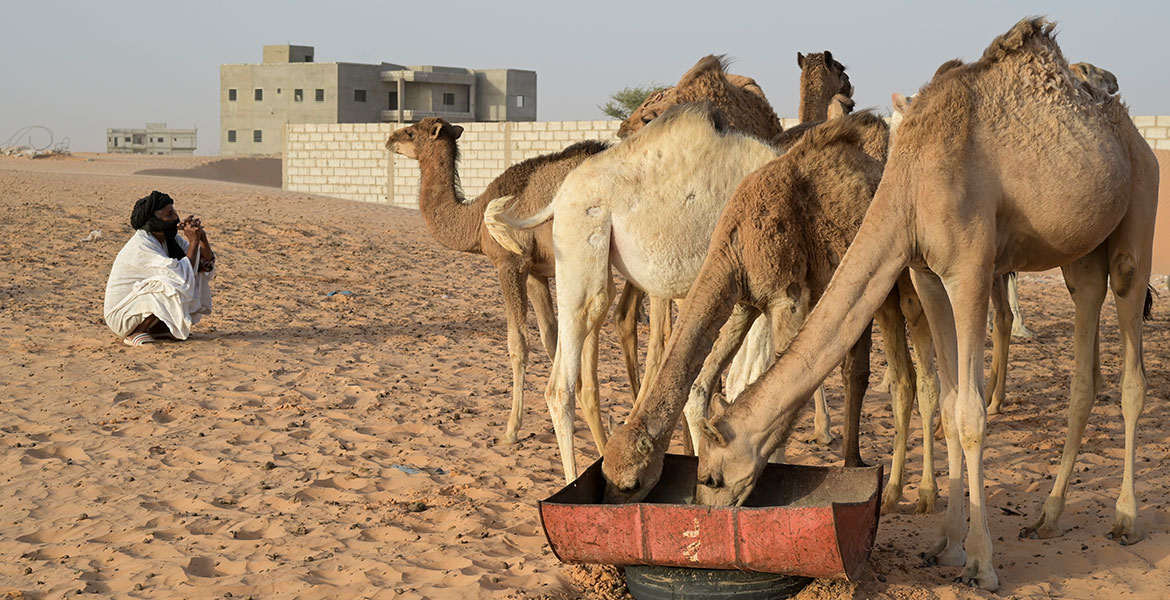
<point>155,139</point>
<point>257,100</point>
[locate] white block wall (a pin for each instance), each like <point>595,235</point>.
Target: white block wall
<point>350,160</point>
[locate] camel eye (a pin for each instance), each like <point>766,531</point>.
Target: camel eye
<point>410,134</point>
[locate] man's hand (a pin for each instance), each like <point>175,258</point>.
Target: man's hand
<point>192,229</point>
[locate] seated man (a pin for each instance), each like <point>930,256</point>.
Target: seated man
<point>159,282</point>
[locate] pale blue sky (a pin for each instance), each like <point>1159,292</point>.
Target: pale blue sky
<point>80,67</point>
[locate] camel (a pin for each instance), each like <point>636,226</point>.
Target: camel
<point>973,189</point>
<point>746,109</point>
<point>822,80</point>
<point>458,224</point>
<point>608,212</point>
<point>775,248</point>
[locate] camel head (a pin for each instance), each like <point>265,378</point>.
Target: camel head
<point>630,465</point>
<point>409,140</point>
<point>709,73</point>
<point>654,105</point>
<point>822,77</point>
<point>1095,76</point>
<point>728,465</point>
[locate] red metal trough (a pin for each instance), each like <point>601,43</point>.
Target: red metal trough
<point>800,520</point>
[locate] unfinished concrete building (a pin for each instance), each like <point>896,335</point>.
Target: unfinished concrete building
<point>257,100</point>
<point>157,138</point>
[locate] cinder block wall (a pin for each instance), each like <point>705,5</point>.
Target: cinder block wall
<point>350,161</point>
<point>1155,129</point>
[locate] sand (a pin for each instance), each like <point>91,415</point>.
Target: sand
<point>308,445</point>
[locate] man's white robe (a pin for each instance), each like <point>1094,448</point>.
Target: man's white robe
<point>145,281</point>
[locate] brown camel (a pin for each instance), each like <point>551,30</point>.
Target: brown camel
<point>775,248</point>
<point>458,224</point>
<point>973,189</point>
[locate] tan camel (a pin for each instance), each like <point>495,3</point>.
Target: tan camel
<point>609,212</point>
<point>458,224</point>
<point>974,189</point>
<point>778,241</point>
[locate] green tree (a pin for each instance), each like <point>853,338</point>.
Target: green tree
<point>626,100</point>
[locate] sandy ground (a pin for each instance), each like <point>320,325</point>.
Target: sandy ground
<point>307,445</point>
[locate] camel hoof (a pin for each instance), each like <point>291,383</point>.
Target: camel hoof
<point>890,503</point>
<point>928,561</point>
<point>1023,333</point>
<point>925,506</point>
<point>511,438</point>
<point>820,440</point>
<point>1041,531</point>
<point>855,463</point>
<point>1125,538</point>
<point>993,409</point>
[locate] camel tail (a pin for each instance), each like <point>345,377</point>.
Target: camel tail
<point>1148,311</point>
<point>502,226</point>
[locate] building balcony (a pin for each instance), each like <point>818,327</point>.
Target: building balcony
<point>414,116</point>
<point>428,77</point>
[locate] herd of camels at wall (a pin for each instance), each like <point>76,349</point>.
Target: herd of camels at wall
<point>786,245</point>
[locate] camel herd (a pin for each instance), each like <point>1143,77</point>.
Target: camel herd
<point>785,246</point>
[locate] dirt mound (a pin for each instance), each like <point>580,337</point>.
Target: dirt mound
<point>252,171</point>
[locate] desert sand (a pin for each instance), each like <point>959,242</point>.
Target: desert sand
<point>332,430</point>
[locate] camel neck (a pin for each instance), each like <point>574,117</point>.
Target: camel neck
<point>452,221</point>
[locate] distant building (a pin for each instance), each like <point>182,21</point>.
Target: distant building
<point>256,100</point>
<point>155,139</point>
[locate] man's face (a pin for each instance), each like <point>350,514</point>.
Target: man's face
<point>167,213</point>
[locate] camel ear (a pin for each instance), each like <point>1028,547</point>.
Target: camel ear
<point>644,445</point>
<point>456,131</point>
<point>711,433</point>
<point>828,57</point>
<point>901,103</point>
<point>800,60</point>
<point>436,129</point>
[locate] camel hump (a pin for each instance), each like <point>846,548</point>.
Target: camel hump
<point>712,64</point>
<point>1025,35</point>
<point>844,129</point>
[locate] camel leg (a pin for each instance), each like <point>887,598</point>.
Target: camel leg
<point>583,296</point>
<point>822,423</point>
<point>1086,281</point>
<point>1019,329</point>
<point>731,337</point>
<point>656,346</point>
<point>968,290</point>
<point>625,320</point>
<point>1000,340</point>
<point>590,398</point>
<point>516,309</point>
<point>855,373</point>
<point>1129,279</point>
<point>893,327</point>
<point>542,305</point>
<point>937,308</point>
<point>926,387</point>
